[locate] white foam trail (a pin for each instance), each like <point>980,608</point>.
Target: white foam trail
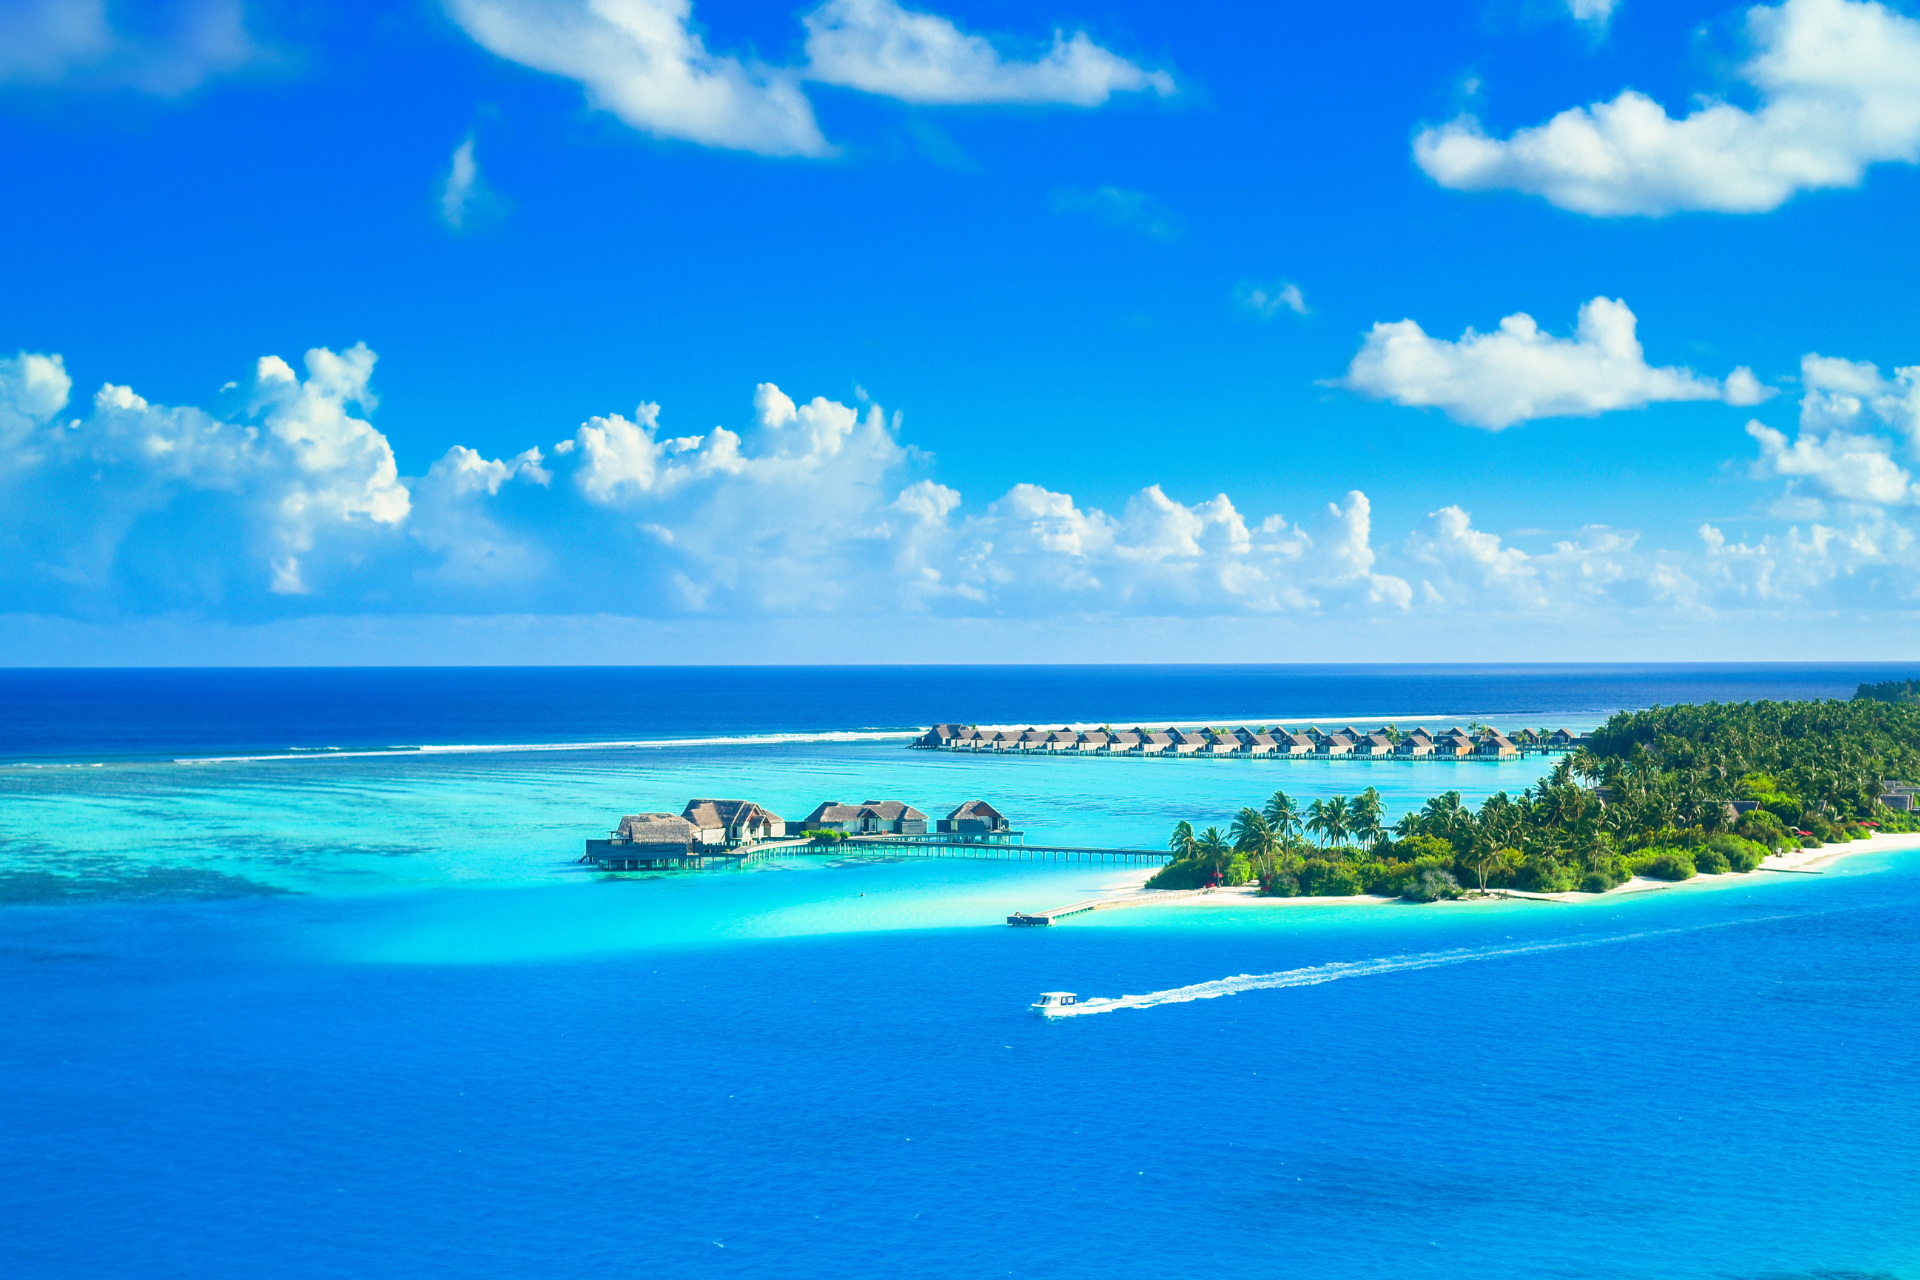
<point>431,749</point>
<point>1358,969</point>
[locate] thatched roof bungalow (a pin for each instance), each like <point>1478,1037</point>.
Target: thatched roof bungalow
<point>975,817</point>
<point>732,821</point>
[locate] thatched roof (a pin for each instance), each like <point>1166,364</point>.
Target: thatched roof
<point>656,829</point>
<point>892,810</point>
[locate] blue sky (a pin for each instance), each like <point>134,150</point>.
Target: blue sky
<point>628,330</point>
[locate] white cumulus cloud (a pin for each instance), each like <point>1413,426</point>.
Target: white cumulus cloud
<point>175,46</point>
<point>1518,373</point>
<point>642,61</point>
<point>1268,300</point>
<point>1844,403</point>
<point>879,47</point>
<point>1839,89</point>
<point>462,172</point>
<point>1595,13</point>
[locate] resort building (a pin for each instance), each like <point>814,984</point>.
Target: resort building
<point>732,821</point>
<point>1220,744</point>
<point>1415,744</point>
<point>1124,741</point>
<point>1155,744</point>
<point>1292,744</point>
<point>1374,744</point>
<point>1495,746</point>
<point>1334,744</point>
<point>868,818</point>
<point>1454,744</point>
<point>1257,744</point>
<point>1563,739</point>
<point>1095,740</point>
<point>657,835</point>
<point>1184,742</point>
<point>975,817</point>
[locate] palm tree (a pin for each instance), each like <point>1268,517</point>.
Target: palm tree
<point>1181,845</point>
<point>1253,837</point>
<point>1367,814</point>
<point>1444,815</point>
<point>1251,834</point>
<point>1329,819</point>
<point>1282,816</point>
<point>1213,850</point>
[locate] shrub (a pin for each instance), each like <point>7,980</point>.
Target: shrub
<point>1281,884</point>
<point>1596,882</point>
<point>1323,879</point>
<point>1187,873</point>
<point>1669,865</point>
<point>1741,855</point>
<point>1544,875</point>
<point>1239,871</point>
<point>1711,862</point>
<point>1761,827</point>
<point>1431,885</point>
<point>1420,848</point>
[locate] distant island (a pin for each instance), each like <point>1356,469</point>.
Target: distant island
<point>1668,793</point>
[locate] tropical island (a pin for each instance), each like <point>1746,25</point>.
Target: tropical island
<point>1667,794</point>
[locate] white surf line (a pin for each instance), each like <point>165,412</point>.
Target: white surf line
<point>1359,969</point>
<point>430,749</point>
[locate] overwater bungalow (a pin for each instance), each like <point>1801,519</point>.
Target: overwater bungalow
<point>1374,745</point>
<point>1183,742</point>
<point>1220,744</point>
<point>1334,744</point>
<point>1292,744</point>
<point>732,821</point>
<point>1454,744</point>
<point>1257,744</point>
<point>1095,740</point>
<point>1495,746</point>
<point>891,817</point>
<point>1563,740</point>
<point>1156,743</point>
<point>1415,744</point>
<point>1124,741</point>
<point>1031,740</point>
<point>975,817</point>
<point>1062,740</point>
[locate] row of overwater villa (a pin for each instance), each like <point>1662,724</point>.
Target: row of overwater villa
<point>1258,742</point>
<point>737,830</point>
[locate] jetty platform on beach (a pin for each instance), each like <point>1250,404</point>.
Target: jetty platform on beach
<point>1042,919</point>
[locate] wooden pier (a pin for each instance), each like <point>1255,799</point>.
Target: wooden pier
<point>962,847</point>
<point>611,855</point>
<point>1149,898</point>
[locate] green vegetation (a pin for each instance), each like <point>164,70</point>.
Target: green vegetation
<point>1889,691</point>
<point>1668,793</point>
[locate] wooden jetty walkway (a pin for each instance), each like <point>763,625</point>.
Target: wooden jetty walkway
<point>1042,919</point>
<point>937,846</point>
<point>613,856</point>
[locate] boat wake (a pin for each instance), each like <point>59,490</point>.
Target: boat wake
<point>1317,974</point>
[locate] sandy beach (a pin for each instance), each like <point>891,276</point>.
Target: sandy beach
<point>1130,890</point>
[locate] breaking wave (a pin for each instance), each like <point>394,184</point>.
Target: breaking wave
<point>1317,974</point>
<point>742,740</point>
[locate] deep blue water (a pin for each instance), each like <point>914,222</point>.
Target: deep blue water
<point>360,1017</point>
<point>108,714</point>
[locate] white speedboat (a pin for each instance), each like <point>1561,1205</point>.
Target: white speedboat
<point>1051,1002</point>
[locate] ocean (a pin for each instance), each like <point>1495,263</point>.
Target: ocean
<point>354,1011</point>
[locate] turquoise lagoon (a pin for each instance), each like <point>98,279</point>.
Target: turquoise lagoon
<point>362,1016</point>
